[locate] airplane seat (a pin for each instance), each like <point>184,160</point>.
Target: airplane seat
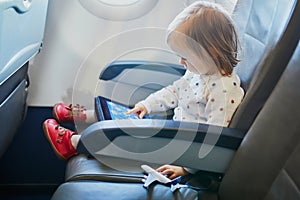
<point>267,54</point>
<point>21,32</point>
<point>265,165</point>
<point>267,162</point>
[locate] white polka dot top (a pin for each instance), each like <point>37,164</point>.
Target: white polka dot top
<point>210,99</point>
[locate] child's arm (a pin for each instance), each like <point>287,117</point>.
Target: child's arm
<point>162,100</point>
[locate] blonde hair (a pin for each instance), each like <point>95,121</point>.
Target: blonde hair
<point>212,29</point>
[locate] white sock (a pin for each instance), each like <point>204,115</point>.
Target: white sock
<point>74,140</point>
<point>90,116</point>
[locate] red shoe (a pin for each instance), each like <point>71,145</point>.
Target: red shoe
<point>59,138</point>
<point>64,113</point>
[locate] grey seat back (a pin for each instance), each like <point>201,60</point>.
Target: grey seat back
<point>21,35</point>
<point>260,29</point>
<point>266,166</point>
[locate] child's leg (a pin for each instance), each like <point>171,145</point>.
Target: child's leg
<point>74,140</point>
<point>80,147</point>
<point>90,116</point>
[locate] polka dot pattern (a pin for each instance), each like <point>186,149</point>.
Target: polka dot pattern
<point>200,98</point>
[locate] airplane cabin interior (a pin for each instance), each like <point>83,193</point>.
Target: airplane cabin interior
<point>105,56</point>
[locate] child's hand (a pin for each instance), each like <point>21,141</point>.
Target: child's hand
<point>172,170</point>
<point>139,110</point>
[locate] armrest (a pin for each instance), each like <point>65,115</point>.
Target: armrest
<point>116,68</point>
<point>198,146</point>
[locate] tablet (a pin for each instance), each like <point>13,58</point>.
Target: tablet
<point>107,109</point>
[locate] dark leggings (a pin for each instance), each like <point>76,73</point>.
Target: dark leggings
<point>81,149</point>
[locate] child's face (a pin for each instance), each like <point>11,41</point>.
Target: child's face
<point>199,63</point>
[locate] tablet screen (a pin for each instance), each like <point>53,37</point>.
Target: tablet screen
<point>118,111</point>
<point>109,110</point>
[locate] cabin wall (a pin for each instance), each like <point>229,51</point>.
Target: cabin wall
<point>73,35</point>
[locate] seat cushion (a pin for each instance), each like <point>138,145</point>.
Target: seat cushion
<point>82,167</point>
<point>124,191</point>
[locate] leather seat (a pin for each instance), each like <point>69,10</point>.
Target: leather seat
<point>263,68</point>
<point>273,182</point>
<point>264,167</point>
